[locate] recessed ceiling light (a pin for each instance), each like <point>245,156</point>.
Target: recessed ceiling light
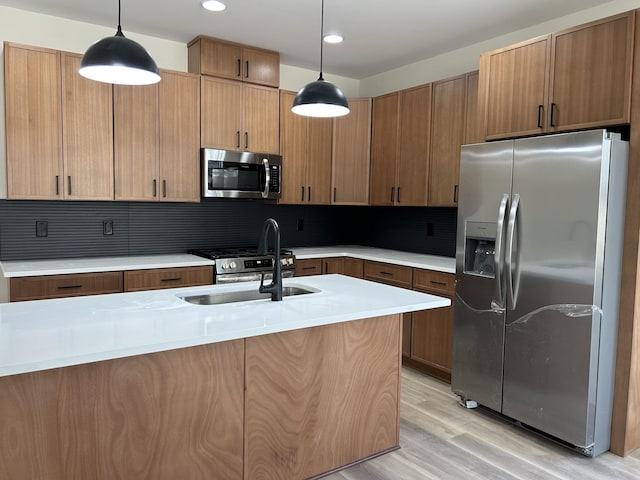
<point>213,5</point>
<point>333,38</point>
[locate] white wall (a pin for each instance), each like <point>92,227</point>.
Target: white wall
<point>466,59</point>
<point>294,78</point>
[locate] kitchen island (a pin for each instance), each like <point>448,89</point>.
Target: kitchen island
<point>146,385</point>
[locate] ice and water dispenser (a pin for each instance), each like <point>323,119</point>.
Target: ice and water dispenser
<point>480,248</point>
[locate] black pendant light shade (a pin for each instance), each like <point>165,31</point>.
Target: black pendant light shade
<point>119,60</point>
<point>320,98</point>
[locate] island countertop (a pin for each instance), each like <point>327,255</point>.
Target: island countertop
<point>44,334</point>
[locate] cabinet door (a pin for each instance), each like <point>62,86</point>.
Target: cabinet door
<point>33,123</point>
<point>591,74</point>
<point>432,340</point>
<point>179,108</point>
<point>136,142</point>
<point>318,169</point>
<point>473,122</point>
<point>60,286</point>
<point>260,118</point>
<point>261,66</point>
<point>353,267</point>
<point>351,147</point>
<point>447,131</point>
<point>220,113</point>
<point>413,159</point>
<point>384,149</point>
<point>220,59</point>
<point>517,89</point>
<point>87,117</point>
<point>333,265</point>
<point>293,148</point>
<point>160,278</point>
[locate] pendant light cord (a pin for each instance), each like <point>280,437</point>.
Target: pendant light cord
<point>321,33</point>
<point>119,32</point>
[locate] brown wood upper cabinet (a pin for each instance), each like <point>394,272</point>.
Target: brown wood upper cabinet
<point>305,146</point>
<point>577,78</point>
<point>156,139</point>
<point>59,128</point>
<point>400,147</point>
<point>447,135</point>
<point>351,154</point>
<point>237,116</point>
<point>219,58</point>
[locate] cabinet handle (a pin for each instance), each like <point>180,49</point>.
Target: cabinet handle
<point>386,273</point>
<point>308,268</point>
<point>398,194</point>
<point>540,111</point>
<point>309,193</point>
<point>237,138</point>
<point>326,267</point>
<point>174,279</point>
<point>155,187</point>
<point>246,139</point>
<point>67,287</point>
<point>334,193</point>
<point>57,185</point>
<point>553,111</point>
<point>239,73</point>
<point>246,73</point>
<point>69,184</point>
<point>455,194</point>
<point>302,193</point>
<point>392,191</point>
<point>164,188</point>
<point>437,283</point>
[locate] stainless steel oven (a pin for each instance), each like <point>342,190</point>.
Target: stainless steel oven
<point>227,173</point>
<point>245,264</point>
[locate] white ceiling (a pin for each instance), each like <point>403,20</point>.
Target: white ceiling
<point>376,39</point>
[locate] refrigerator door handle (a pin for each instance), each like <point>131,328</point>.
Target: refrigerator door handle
<point>513,280</point>
<point>498,258</point>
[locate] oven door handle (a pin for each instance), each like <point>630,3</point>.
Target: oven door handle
<point>267,178</point>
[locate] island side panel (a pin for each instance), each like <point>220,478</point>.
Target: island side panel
<point>167,415</point>
<point>321,398</point>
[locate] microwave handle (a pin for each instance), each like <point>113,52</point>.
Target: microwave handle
<point>267,178</point>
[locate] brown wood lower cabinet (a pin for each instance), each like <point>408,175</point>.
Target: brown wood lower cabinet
<point>288,405</point>
<point>158,278</point>
<point>430,340</point>
<point>320,398</point>
<point>60,286</point>
<point>162,416</point>
<point>308,266</point>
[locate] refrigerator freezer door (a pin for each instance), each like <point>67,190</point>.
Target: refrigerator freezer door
<point>485,186</point>
<point>552,335</point>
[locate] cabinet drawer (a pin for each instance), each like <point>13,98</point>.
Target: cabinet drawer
<point>397,275</point>
<point>135,280</point>
<point>433,282</point>
<point>353,267</point>
<point>59,286</point>
<point>308,266</point>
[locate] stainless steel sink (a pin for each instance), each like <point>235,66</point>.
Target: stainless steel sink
<point>243,296</point>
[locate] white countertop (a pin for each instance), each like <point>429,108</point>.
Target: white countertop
<point>408,259</point>
<point>30,268</point>
<point>44,334</point>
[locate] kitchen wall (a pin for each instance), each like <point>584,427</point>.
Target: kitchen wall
<point>75,229</point>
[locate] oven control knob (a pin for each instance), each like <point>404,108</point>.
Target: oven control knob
<point>224,266</point>
<point>232,265</point>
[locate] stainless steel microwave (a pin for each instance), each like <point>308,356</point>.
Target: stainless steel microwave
<point>227,173</point>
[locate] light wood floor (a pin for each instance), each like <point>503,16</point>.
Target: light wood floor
<point>440,439</point>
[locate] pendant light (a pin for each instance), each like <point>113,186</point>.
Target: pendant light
<point>119,60</point>
<point>320,98</point>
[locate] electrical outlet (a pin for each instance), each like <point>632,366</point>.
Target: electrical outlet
<point>107,227</point>
<point>429,229</point>
<point>42,228</point>
<point>300,224</point>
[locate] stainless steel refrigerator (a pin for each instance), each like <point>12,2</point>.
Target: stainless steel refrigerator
<point>538,263</point>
